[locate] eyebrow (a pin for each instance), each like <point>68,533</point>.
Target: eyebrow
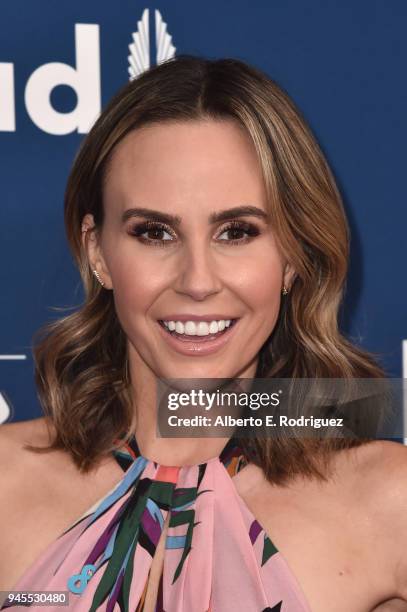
<point>215,217</point>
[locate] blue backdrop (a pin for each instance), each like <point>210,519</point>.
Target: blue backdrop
<point>343,63</point>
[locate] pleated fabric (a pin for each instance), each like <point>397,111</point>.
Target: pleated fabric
<point>218,558</point>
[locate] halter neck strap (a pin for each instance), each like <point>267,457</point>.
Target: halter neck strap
<point>127,453</point>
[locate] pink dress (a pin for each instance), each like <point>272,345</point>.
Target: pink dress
<point>218,558</point>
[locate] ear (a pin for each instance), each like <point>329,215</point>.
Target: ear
<point>289,276</point>
<point>92,246</point>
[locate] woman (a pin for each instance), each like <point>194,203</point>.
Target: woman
<point>212,243</point>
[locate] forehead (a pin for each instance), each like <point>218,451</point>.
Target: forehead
<point>175,161</point>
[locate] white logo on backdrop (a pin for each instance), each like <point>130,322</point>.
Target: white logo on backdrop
<point>4,409</point>
<point>139,58</point>
<point>83,78</point>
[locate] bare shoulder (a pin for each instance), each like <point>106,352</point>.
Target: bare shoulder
<point>31,431</point>
<point>49,477</point>
<point>20,464</point>
<point>382,482</point>
<point>375,474</point>
<point>39,498</point>
<point>370,480</point>
<point>385,471</point>
<point>15,436</point>
<point>381,463</point>
<point>18,475</point>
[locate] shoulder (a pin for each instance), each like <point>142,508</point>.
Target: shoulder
<point>32,431</point>
<point>383,485</point>
<point>43,482</point>
<point>26,475</point>
<point>14,437</point>
<point>379,471</point>
<point>382,463</point>
<point>19,468</point>
<point>15,459</point>
<point>38,500</point>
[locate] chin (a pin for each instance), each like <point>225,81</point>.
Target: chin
<point>189,371</point>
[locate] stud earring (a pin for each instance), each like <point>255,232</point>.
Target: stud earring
<point>96,273</point>
<point>285,290</point>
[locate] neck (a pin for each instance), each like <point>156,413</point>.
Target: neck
<point>174,451</point>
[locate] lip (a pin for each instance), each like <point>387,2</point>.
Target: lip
<point>192,317</point>
<point>197,347</point>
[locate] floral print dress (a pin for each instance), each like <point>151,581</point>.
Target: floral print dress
<point>217,558</point>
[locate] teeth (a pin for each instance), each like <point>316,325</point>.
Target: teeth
<point>197,328</point>
<point>179,327</point>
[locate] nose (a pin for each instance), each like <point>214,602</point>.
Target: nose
<point>198,274</point>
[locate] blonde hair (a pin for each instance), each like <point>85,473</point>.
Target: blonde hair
<point>81,360</point>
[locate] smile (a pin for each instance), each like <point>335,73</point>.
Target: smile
<point>197,328</point>
<point>197,337</point>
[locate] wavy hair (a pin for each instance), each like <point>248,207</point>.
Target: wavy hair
<point>81,364</point>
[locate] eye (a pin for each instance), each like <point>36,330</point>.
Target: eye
<point>154,229</point>
<point>157,230</point>
<point>238,227</point>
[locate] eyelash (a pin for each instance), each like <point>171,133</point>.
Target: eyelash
<point>142,228</point>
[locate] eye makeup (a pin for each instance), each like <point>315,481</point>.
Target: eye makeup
<point>152,227</point>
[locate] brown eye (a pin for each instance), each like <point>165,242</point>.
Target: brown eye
<point>233,232</point>
<point>235,229</point>
<point>155,232</point>
<point>152,233</point>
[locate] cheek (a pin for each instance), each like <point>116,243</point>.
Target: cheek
<point>260,280</point>
<point>135,286</point>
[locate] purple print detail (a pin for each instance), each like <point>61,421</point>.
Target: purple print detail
<point>255,529</point>
<point>113,597</point>
<point>151,526</point>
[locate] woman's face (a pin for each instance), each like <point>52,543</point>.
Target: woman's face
<point>195,265</point>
